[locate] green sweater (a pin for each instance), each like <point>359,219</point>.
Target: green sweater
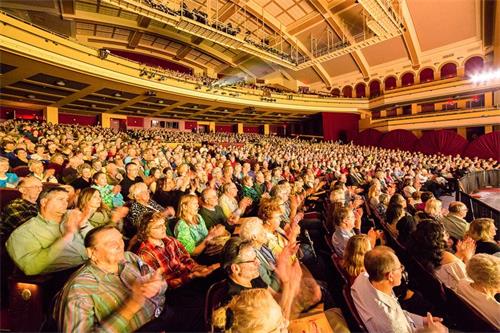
<point>37,247</point>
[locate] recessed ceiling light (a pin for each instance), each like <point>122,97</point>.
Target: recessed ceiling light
<point>195,106</point>
<point>31,96</point>
<point>61,83</point>
<point>117,94</point>
<point>160,101</point>
<point>93,106</point>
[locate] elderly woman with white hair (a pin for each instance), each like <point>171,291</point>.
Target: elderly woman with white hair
<point>484,271</point>
<point>141,204</point>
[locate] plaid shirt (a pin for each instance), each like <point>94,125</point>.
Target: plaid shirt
<point>91,298</point>
<point>173,258</point>
<point>14,214</point>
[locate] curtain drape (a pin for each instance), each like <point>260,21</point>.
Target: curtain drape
<point>398,139</point>
<point>442,141</point>
<point>486,146</point>
<point>368,137</point>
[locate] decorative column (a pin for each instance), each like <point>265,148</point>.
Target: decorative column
<point>51,114</point>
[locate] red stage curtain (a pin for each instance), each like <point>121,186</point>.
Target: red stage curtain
<point>368,137</point>
<point>443,141</point>
<point>398,139</point>
<point>486,146</point>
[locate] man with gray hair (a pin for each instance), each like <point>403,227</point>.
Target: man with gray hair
<point>455,222</point>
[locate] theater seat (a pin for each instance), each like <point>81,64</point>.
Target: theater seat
<point>466,317</point>
<point>7,195</point>
<point>28,301</point>
<point>352,316</point>
<point>213,300</point>
<point>21,171</point>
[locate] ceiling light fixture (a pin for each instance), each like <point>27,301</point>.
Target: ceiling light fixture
<point>160,101</point>
<point>117,94</point>
<point>31,96</point>
<point>61,83</point>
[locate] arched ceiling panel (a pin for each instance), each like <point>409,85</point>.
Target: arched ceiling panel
<point>377,54</point>
<point>341,65</point>
<point>439,23</point>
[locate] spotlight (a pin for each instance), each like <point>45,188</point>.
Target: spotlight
<point>160,101</point>
<point>486,76</point>
<point>117,94</point>
<point>61,83</point>
<point>103,53</point>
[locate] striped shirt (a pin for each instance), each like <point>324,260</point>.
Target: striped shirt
<point>91,298</point>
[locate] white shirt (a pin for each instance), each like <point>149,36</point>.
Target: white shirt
<point>487,306</point>
<point>381,312</point>
<point>449,274</point>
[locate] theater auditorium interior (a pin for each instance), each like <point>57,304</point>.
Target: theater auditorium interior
<point>250,166</point>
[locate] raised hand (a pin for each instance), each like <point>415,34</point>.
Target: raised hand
<point>466,249</point>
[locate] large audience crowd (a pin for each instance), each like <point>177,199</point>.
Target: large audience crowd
<point>137,226</point>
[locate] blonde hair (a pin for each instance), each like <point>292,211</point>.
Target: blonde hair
<point>484,269</point>
<point>354,254</point>
<point>479,229</point>
<point>248,312</point>
<point>250,227</point>
<point>433,207</point>
<point>268,207</point>
<point>184,212</point>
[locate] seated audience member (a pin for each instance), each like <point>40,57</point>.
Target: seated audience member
<point>20,158</point>
<point>229,203</point>
<point>483,231</point>
<point>374,298</point>
<point>484,271</point>
<point>7,179</point>
<point>161,251</point>
<point>212,213</point>
<point>256,311</point>
<point>131,177</point>
<point>37,170</point>
<point>70,172</point>
<point>141,203</point>
<point>354,255</point>
<point>96,213</point>
<point>455,223</point>
<point>347,225</point>
<point>39,154</point>
<point>116,292</point>
<point>432,210</point>
<point>252,230</point>
<point>406,224</point>
<point>241,265</point>
<point>84,178</point>
<point>113,176</point>
<point>166,193</point>
<point>424,197</point>
<point>110,194</point>
<point>353,264</point>
<point>191,229</point>
<point>248,191</point>
<point>52,240</point>
<point>428,244</point>
<point>22,209</point>
<point>270,213</point>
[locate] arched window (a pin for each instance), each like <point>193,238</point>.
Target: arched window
<point>426,75</point>
<point>408,79</point>
<point>360,90</point>
<point>473,65</point>
<point>448,70</point>
<point>374,88</point>
<point>335,92</point>
<point>390,83</point>
<point>347,91</point>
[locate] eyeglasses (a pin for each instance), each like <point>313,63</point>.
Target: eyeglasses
<point>247,261</point>
<point>402,268</point>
